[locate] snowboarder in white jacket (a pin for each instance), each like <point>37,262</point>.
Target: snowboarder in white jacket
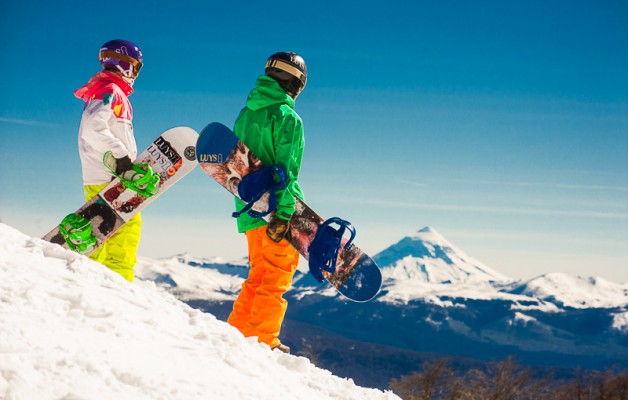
<point>107,125</point>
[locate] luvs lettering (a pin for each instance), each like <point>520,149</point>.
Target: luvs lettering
<point>167,150</point>
<point>210,158</point>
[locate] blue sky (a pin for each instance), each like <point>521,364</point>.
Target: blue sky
<point>502,124</point>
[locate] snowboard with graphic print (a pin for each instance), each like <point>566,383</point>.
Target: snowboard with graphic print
<point>171,155</point>
<point>226,159</point>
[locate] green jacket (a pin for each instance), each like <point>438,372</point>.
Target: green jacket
<point>270,127</point>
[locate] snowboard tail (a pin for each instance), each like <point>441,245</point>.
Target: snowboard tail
<point>228,160</point>
<point>172,155</point>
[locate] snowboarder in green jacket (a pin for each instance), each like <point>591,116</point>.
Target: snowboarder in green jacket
<point>270,127</point>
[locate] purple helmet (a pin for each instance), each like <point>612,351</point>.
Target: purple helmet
<point>121,56</point>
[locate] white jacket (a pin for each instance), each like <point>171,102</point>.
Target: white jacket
<point>106,125</point>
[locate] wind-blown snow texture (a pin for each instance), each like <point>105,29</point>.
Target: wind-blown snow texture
<point>72,329</point>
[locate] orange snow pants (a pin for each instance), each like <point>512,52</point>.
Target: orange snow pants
<point>260,308</point>
<point>119,252</point>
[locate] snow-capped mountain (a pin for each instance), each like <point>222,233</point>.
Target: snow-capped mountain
<point>189,278</point>
<point>72,329</point>
<point>426,264</point>
<point>421,267</point>
<point>576,292</point>
<point>428,257</point>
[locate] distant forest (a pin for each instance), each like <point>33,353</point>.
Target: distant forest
<point>508,380</point>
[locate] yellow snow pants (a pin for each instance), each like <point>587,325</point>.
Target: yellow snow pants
<point>260,308</point>
<point>119,252</point>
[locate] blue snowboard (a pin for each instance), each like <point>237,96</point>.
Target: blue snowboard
<point>226,159</point>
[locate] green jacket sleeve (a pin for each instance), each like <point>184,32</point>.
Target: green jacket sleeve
<point>289,152</point>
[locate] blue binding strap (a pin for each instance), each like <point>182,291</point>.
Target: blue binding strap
<point>253,186</point>
<point>326,245</point>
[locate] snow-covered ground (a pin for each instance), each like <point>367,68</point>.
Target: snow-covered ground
<point>71,329</point>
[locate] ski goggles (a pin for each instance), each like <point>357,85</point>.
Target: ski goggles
<point>284,66</point>
<point>136,64</point>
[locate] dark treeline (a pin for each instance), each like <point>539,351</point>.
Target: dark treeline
<point>507,380</point>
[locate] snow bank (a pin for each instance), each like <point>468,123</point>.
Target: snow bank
<point>72,329</point>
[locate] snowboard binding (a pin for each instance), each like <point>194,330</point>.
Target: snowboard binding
<point>77,233</point>
<point>326,245</point>
<point>253,186</point>
<point>140,178</point>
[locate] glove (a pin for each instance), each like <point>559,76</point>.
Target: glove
<point>123,164</point>
<point>277,229</point>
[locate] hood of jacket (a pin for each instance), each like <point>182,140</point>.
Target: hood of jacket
<point>266,93</point>
<point>98,84</point>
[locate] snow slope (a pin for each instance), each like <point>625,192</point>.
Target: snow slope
<point>71,329</point>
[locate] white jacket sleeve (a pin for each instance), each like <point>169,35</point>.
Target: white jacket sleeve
<point>101,131</point>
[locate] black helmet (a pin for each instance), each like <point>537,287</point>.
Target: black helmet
<point>289,70</point>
